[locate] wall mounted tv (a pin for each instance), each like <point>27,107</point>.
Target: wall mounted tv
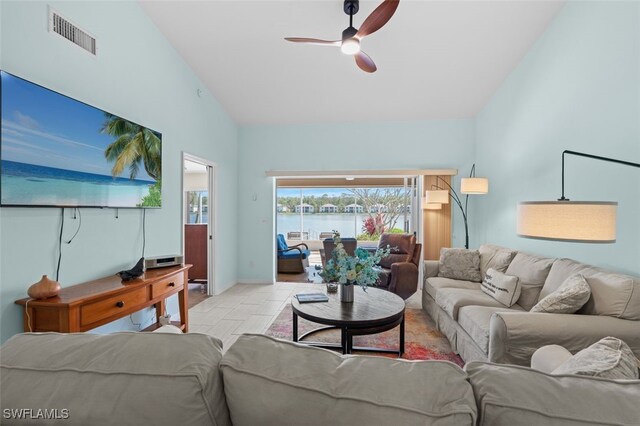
<point>59,152</point>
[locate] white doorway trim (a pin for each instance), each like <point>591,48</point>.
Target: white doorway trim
<point>211,217</point>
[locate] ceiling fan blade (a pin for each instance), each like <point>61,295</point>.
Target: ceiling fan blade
<point>365,63</point>
<point>313,41</point>
<point>378,18</point>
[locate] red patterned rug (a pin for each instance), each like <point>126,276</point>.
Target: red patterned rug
<point>422,341</point>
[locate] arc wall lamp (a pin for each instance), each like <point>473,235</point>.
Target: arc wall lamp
<point>571,221</point>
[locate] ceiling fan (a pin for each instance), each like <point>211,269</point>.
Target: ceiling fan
<point>350,43</point>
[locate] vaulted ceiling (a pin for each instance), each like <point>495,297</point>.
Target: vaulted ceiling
<point>436,59</point>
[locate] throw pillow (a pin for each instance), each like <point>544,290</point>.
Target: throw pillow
<point>504,288</point>
<point>609,358</point>
<point>532,272</point>
<point>572,294</point>
<point>495,257</point>
<point>460,264</point>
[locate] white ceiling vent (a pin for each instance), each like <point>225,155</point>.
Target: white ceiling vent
<point>71,32</point>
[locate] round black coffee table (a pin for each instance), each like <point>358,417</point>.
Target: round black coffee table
<point>371,312</point>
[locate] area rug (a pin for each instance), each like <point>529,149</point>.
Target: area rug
<point>422,341</point>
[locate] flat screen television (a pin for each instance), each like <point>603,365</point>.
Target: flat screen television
<point>56,151</point>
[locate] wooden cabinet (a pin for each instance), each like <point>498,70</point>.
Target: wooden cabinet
<point>89,305</point>
<point>195,250</point>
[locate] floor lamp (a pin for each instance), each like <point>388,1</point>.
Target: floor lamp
<point>572,221</point>
<point>469,186</point>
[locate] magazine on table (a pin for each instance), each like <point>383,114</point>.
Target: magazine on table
<point>311,297</point>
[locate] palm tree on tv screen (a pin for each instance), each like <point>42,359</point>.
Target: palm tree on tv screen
<point>134,146</point>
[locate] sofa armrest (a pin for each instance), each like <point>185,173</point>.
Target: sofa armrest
<point>515,336</point>
<point>404,279</point>
<point>431,268</point>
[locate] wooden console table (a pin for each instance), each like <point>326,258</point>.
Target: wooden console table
<point>89,305</point>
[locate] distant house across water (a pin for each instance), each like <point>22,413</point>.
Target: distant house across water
<point>353,208</point>
<point>305,208</point>
<point>282,209</point>
<point>378,208</point>
<point>328,208</point>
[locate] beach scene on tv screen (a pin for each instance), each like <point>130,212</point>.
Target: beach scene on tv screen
<point>57,151</point>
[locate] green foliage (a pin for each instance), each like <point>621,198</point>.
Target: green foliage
<point>375,237</point>
<point>154,198</point>
<point>359,269</point>
<point>134,145</point>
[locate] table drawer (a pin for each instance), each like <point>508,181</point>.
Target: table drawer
<point>97,311</point>
<point>167,285</point>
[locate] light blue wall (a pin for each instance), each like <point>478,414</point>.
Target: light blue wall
<point>139,76</point>
<point>364,146</point>
<point>578,88</point>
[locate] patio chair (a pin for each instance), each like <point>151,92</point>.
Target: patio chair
<point>399,270</point>
<point>292,259</point>
<point>349,244</point>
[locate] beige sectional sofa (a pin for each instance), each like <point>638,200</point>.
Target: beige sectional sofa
<point>480,328</point>
<point>184,379</point>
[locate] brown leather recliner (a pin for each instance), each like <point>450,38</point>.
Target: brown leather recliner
<point>326,254</point>
<point>400,268</point>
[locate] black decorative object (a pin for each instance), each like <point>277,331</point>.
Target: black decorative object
<point>134,272</point>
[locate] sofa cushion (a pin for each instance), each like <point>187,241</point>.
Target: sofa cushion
<point>532,272</point>
<point>558,274</point>
<point>281,242</point>
<point>609,358</point>
<point>452,299</point>
<point>432,285</point>
<point>513,395</point>
<point>567,299</point>
<point>402,248</point>
<point>294,254</point>
<point>274,382</point>
<point>475,321</point>
<point>116,379</point>
<point>460,264</point>
<point>612,294</point>
<point>504,288</point>
<point>496,257</point>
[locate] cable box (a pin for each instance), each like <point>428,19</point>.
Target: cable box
<point>163,261</point>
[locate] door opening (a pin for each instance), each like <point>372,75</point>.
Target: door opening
<point>198,219</point>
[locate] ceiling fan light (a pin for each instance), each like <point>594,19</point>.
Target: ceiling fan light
<point>350,46</point>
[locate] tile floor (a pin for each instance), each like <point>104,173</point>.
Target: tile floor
<point>244,308</point>
<point>250,308</point>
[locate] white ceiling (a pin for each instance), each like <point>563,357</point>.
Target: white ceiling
<point>436,59</point>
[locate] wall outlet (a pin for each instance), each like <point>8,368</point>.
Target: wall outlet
<point>165,319</point>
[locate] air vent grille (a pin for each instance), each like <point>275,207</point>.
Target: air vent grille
<point>76,35</point>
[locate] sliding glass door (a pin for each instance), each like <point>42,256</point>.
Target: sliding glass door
<point>363,210</point>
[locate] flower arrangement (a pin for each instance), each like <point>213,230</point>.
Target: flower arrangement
<point>359,269</point>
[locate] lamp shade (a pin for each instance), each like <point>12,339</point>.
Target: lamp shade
<point>431,206</point>
<point>474,185</point>
<point>440,196</point>
<point>575,221</point>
